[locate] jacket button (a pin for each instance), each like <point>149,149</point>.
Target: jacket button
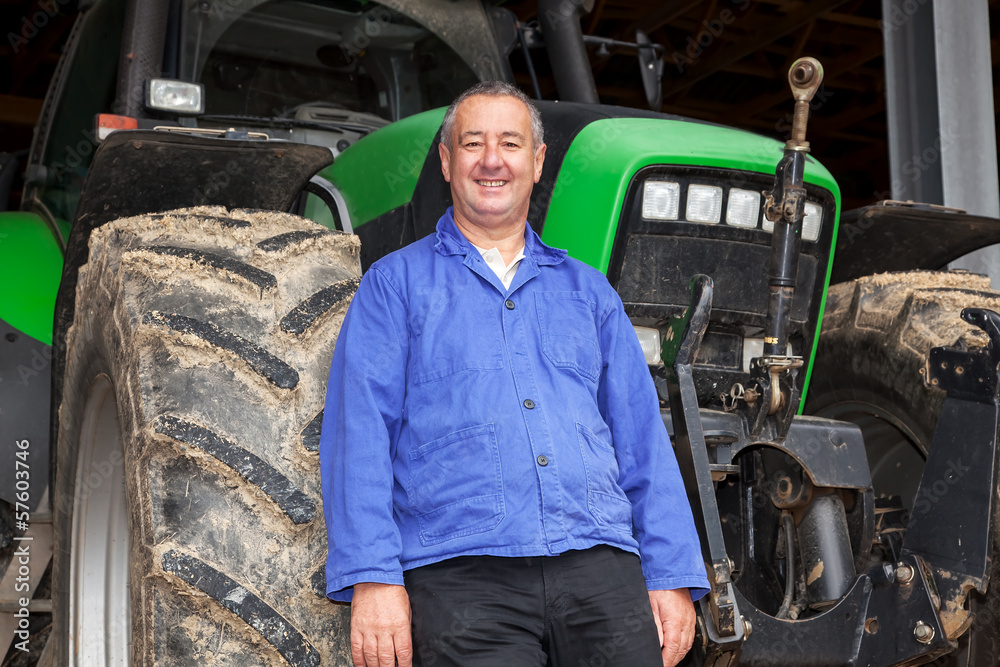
<point>530,404</point>
<point>509,304</point>
<point>543,460</point>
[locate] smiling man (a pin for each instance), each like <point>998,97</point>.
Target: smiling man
<point>498,484</point>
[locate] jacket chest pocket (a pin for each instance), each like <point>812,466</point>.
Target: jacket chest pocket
<point>569,332</point>
<point>455,332</point>
<point>455,486</point>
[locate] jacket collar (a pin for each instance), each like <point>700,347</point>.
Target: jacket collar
<point>450,241</point>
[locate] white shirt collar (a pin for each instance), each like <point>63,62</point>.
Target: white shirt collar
<point>494,260</point>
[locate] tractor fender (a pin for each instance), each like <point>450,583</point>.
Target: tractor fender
<point>884,238</point>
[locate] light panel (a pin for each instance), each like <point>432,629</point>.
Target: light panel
<point>704,203</point>
<point>175,96</point>
<point>660,200</point>
<point>812,222</point>
<point>649,340</point>
<point>743,208</point>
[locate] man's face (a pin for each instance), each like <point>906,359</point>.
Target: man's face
<point>491,166</point>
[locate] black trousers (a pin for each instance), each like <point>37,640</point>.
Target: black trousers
<point>579,609</point>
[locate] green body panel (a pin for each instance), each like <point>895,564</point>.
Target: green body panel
<point>30,269</point>
<point>599,165</point>
<point>379,172</point>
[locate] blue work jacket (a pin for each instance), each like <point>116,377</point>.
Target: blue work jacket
<point>463,418</point>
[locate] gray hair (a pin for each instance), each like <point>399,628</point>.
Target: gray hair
<point>494,89</point>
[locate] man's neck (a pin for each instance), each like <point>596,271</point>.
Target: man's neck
<point>507,238</point>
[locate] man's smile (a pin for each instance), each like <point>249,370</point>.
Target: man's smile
<point>491,184</point>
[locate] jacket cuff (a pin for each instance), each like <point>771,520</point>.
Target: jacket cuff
<point>697,585</point>
<point>342,589</point>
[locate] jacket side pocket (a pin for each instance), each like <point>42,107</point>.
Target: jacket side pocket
<point>608,503</point>
<point>455,485</point>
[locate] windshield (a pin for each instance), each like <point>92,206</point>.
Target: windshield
<point>338,60</point>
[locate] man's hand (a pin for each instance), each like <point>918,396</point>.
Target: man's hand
<point>673,613</point>
<point>380,626</point>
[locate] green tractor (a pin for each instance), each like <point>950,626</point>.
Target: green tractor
<point>207,182</point>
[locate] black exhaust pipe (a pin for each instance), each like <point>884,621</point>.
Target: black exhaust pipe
<point>560,23</point>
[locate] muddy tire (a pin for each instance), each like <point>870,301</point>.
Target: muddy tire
<point>188,517</point>
<point>870,370</point>
<point>870,363</point>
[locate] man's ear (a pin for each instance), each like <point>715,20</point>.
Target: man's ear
<point>539,162</point>
<point>445,161</point>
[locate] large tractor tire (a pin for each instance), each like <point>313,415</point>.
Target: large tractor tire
<point>871,369</point>
<point>188,517</point>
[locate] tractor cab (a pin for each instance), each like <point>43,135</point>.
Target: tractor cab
<point>322,73</point>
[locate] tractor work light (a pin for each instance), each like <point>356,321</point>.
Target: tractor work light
<point>704,203</point>
<point>660,200</point>
<point>649,341</point>
<point>175,96</point>
<point>743,208</point>
<point>812,222</point>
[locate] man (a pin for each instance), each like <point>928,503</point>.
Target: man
<point>492,440</point>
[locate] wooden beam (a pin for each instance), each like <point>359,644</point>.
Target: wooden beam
<point>849,19</point>
<point>17,110</point>
<point>831,70</point>
<point>856,159</point>
<point>828,127</point>
<point>765,34</point>
<point>865,139</point>
<point>844,35</point>
<point>751,69</point>
<point>595,17</point>
<point>620,14</point>
<point>660,16</point>
<point>709,12</point>
<point>800,44</point>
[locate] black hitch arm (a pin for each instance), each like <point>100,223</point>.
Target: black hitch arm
<point>682,337</point>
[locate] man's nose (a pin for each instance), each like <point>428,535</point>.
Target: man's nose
<point>492,158</point>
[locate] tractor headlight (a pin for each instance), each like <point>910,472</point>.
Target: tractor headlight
<point>704,203</point>
<point>175,96</point>
<point>660,200</point>
<point>649,340</point>
<point>743,209</point>
<point>812,222</point>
